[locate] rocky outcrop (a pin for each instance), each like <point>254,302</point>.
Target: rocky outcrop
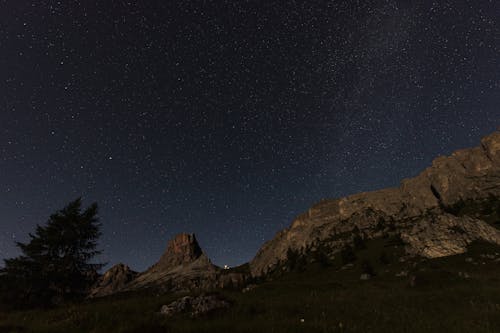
<point>195,306</point>
<point>419,210</point>
<point>114,280</point>
<point>182,250</point>
<point>445,234</point>
<point>183,267</point>
<point>198,274</point>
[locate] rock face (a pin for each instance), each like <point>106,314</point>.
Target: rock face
<point>420,210</point>
<point>183,267</point>
<point>181,250</point>
<point>195,306</point>
<point>114,280</point>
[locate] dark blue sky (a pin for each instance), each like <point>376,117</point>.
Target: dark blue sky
<point>229,118</point>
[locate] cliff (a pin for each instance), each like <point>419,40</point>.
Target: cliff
<point>424,211</point>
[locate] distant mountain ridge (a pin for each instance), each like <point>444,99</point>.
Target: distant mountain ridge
<point>423,211</point>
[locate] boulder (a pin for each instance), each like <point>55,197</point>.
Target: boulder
<point>365,277</point>
<point>195,306</point>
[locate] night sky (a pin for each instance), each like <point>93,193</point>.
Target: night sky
<point>229,118</point>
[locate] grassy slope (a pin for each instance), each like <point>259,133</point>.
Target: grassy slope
<point>327,299</point>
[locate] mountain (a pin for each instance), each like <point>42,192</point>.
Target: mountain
<point>182,267</point>
<point>438,213</point>
<point>114,280</point>
<point>181,250</point>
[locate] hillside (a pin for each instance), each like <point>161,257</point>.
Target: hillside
<point>410,296</point>
<point>436,214</point>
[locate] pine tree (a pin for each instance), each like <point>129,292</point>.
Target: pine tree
<point>55,265</point>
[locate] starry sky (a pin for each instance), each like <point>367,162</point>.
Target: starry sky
<point>229,118</point>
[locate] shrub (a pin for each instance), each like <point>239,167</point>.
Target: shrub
<point>367,268</point>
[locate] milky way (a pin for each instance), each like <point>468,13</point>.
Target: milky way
<point>229,118</point>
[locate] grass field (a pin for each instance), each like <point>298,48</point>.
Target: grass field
<point>454,294</point>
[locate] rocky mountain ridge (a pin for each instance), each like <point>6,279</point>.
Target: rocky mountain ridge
<point>437,213</point>
<point>182,267</point>
<point>422,211</point>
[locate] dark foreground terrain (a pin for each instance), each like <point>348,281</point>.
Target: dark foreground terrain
<point>453,294</point>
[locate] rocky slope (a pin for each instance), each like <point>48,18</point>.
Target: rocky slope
<point>114,280</point>
<point>182,267</point>
<point>424,211</point>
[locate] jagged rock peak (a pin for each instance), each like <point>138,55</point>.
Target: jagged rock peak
<point>182,267</point>
<point>117,270</point>
<point>182,249</point>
